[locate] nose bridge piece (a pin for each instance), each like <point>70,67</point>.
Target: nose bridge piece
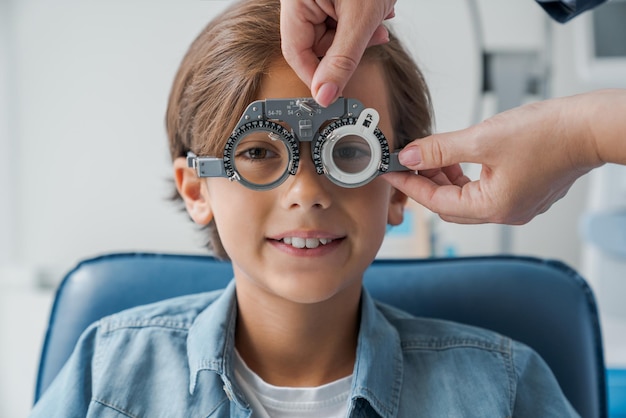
<point>307,162</point>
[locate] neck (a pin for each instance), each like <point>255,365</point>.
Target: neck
<point>295,344</point>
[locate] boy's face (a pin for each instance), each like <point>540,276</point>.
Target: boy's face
<point>341,229</point>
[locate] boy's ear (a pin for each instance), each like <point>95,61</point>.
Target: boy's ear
<point>194,192</point>
<point>397,202</point>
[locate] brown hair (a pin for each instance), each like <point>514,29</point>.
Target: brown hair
<point>223,69</point>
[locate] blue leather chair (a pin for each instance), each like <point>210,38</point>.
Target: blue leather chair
<point>542,303</point>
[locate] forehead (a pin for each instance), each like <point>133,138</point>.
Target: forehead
<point>367,84</point>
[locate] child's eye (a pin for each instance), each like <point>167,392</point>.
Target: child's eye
<point>351,151</point>
<point>261,161</point>
<point>346,153</point>
<point>258,153</point>
<point>351,154</point>
<point>259,147</point>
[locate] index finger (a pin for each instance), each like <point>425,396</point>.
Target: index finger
<point>298,37</point>
<point>450,201</point>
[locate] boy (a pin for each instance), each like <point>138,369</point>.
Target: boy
<point>294,335</point>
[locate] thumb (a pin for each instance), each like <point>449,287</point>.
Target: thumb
<point>440,150</point>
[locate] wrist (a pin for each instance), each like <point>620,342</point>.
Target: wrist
<point>582,114</point>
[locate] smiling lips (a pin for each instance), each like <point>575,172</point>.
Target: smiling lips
<point>298,242</point>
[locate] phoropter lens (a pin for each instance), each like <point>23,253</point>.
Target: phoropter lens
<point>261,157</point>
<point>351,151</point>
<point>351,154</point>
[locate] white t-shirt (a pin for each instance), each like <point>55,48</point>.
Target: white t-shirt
<point>268,401</point>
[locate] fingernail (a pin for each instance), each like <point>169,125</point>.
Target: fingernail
<point>410,156</point>
<point>326,94</point>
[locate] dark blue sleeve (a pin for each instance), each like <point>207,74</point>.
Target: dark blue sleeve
<point>563,13</point>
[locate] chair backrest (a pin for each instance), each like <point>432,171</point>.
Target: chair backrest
<point>541,303</point>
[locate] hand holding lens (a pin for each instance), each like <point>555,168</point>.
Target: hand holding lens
<point>263,150</point>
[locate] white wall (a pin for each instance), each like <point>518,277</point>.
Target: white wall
<point>23,314</point>
<point>93,80</point>
<point>7,201</point>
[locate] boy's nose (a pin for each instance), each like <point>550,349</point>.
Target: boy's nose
<point>307,189</point>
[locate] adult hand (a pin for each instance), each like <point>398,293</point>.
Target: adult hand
<point>530,157</point>
<point>337,30</point>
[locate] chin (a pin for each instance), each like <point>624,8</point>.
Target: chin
<point>312,290</point>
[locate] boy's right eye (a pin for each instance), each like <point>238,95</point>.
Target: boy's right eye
<point>257,153</point>
<point>260,145</point>
<point>261,159</point>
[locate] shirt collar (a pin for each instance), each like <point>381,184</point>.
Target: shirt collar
<point>217,325</point>
<point>378,369</point>
<point>377,374</point>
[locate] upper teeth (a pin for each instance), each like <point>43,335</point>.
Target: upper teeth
<point>306,242</point>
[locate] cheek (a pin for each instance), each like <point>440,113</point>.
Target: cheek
<point>228,205</point>
<point>371,217</point>
<point>372,203</point>
<point>238,211</point>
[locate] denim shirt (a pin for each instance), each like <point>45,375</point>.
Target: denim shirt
<point>175,359</point>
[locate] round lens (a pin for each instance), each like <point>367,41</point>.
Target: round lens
<point>352,154</point>
<point>261,157</point>
<point>349,158</point>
